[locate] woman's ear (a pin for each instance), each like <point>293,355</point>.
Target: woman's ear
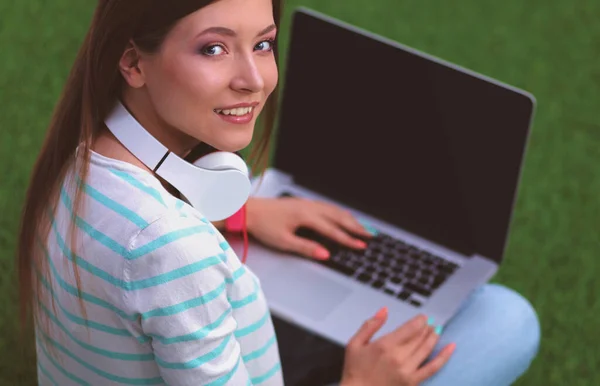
<point>129,65</point>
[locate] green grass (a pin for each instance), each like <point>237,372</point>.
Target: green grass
<point>550,48</point>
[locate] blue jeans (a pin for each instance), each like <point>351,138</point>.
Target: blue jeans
<point>497,335</point>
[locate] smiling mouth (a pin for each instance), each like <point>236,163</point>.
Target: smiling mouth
<point>238,112</point>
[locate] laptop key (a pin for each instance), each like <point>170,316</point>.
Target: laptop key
<point>404,295</point>
<point>340,267</point>
<point>418,289</point>
<point>427,272</point>
<point>437,282</point>
<point>378,284</point>
<point>364,277</point>
<point>355,264</point>
<point>447,269</point>
<point>401,261</point>
<point>345,270</point>
<point>415,303</point>
<point>376,249</point>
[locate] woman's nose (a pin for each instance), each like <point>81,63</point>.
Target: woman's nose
<point>248,77</point>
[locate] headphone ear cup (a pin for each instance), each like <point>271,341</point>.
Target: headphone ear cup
<point>222,160</point>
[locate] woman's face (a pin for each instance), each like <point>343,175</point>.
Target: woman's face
<point>214,73</point>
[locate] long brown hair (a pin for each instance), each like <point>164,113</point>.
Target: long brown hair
<point>93,86</point>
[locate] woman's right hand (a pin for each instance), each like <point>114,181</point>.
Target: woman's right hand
<point>394,359</point>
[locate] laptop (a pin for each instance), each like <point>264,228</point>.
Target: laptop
<point>426,152</point>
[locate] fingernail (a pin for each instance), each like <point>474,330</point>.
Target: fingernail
<point>368,227</point>
<point>438,330</point>
<point>321,254</point>
<point>360,244</point>
<point>381,313</point>
<point>430,321</point>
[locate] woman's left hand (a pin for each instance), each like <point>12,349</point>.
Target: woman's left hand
<point>274,222</point>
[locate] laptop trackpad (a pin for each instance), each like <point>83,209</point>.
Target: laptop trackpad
<point>309,293</point>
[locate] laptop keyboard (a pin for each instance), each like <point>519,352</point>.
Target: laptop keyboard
<point>389,265</point>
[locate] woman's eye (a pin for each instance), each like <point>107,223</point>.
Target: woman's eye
<point>265,45</point>
<point>213,50</point>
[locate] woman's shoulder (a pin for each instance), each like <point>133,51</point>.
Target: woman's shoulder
<point>129,192</point>
<point>132,205</point>
<point>128,206</point>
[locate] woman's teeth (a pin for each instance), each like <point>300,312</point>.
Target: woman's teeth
<point>238,112</point>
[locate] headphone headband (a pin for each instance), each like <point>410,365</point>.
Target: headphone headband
<point>136,138</point>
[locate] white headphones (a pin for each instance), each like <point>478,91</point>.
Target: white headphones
<point>217,185</point>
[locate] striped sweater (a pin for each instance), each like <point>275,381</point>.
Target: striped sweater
<point>167,301</point>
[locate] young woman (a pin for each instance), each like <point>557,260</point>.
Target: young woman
<point>129,284</point>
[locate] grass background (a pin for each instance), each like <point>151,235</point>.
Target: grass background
<point>550,48</point>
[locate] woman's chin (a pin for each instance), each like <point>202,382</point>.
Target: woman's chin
<point>233,145</point>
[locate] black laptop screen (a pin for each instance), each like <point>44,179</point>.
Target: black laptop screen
<point>408,140</point>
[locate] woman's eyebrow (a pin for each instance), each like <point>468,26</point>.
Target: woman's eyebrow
<point>267,30</point>
<point>229,32</point>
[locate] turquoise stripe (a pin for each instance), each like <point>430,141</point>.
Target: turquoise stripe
<point>85,296</point>
<point>138,284</point>
<point>224,246</point>
<point>173,275</point>
<point>58,366</point>
<point>115,206</point>
<point>177,308</point>
<point>247,300</point>
<point>267,375</point>
<point>90,230</point>
<point>253,327</point>
<point>88,323</point>
<point>94,349</point>
<point>260,352</point>
<point>138,184</point>
<point>47,374</point>
<point>225,378</point>
<point>104,374</point>
<point>167,239</point>
<point>179,206</point>
<point>249,382</point>
<point>236,275</point>
<point>195,363</point>
<point>123,251</point>
<point>196,335</point>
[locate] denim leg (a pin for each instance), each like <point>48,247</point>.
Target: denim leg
<point>497,335</point>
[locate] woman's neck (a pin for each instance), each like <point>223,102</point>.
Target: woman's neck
<point>142,110</point>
